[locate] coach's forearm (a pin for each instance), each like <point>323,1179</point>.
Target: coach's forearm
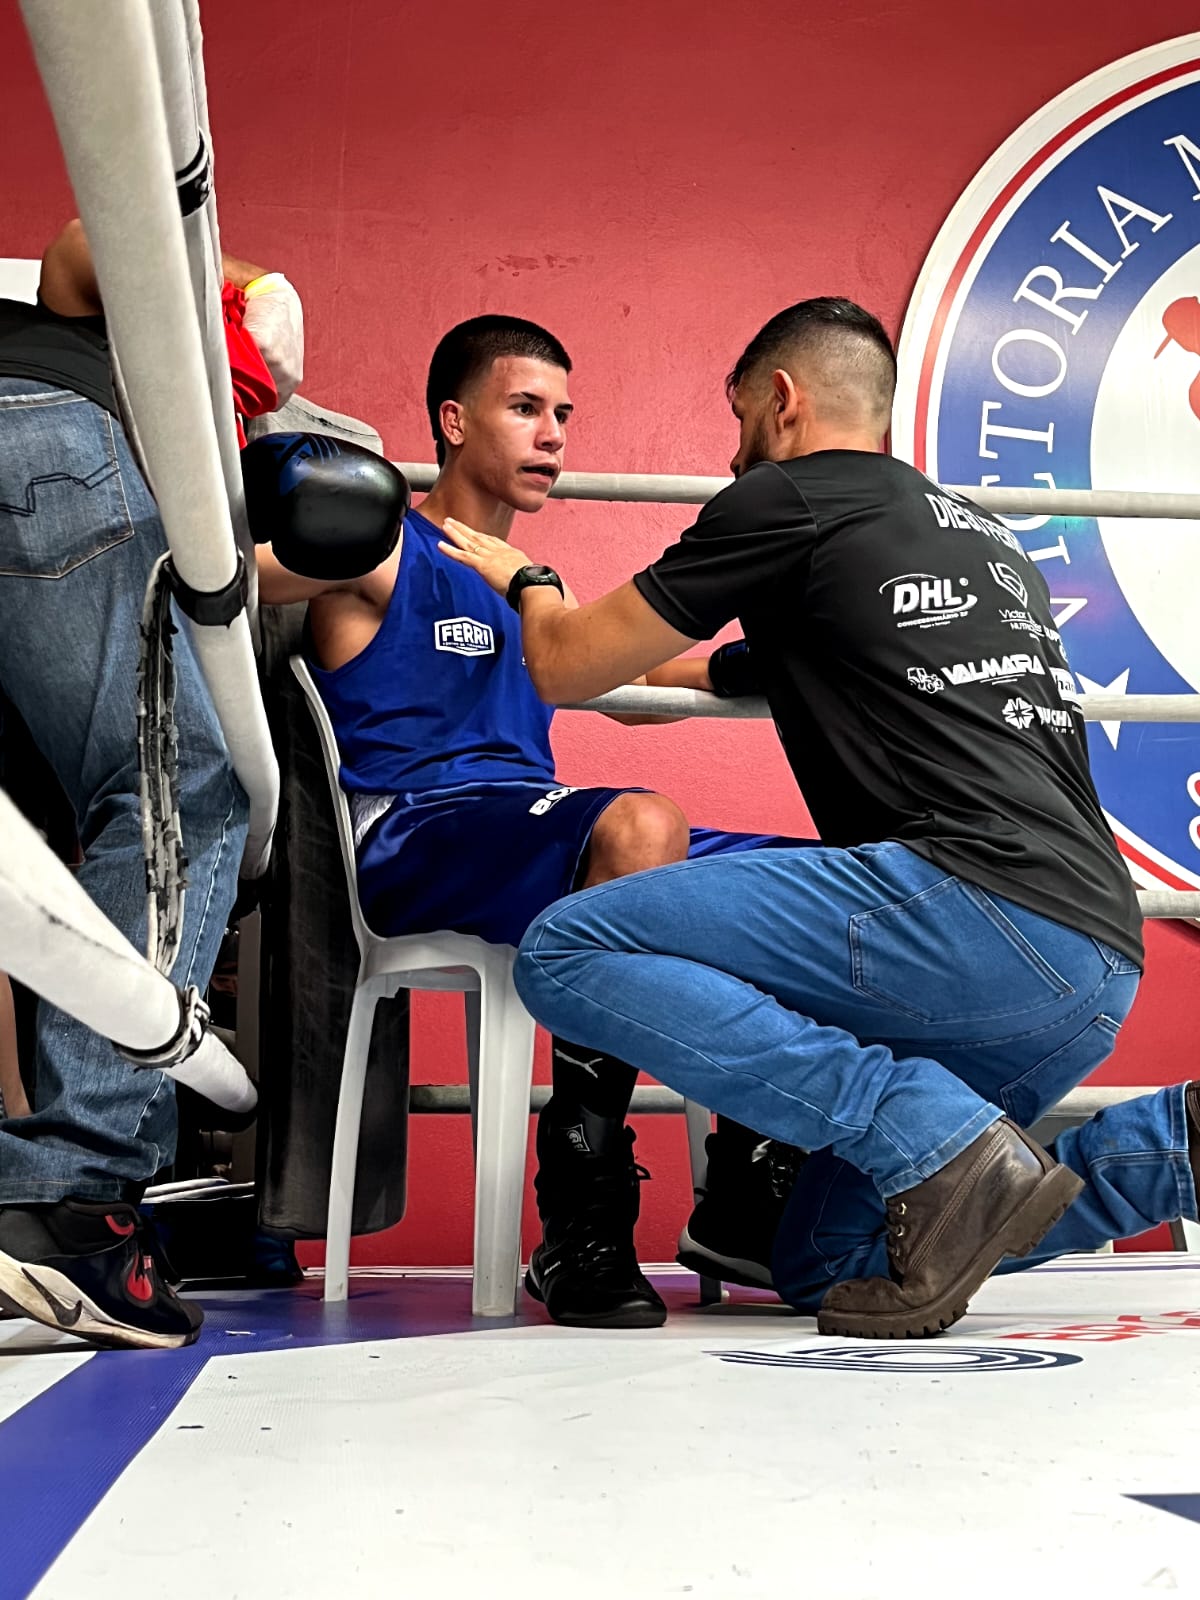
<point>553,636</point>
<point>684,672</point>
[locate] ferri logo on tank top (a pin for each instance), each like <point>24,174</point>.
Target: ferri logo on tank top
<point>463,636</point>
<point>1053,340</point>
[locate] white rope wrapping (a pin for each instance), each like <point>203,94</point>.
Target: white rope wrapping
<point>647,702</point>
<point>57,941</point>
<point>678,489</point>
<point>158,774</point>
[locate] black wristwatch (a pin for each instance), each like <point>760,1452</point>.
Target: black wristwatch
<point>532,577</point>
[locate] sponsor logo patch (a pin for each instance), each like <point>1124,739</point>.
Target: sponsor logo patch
<point>995,669</point>
<point>1008,578</point>
<point>548,801</point>
<point>927,682</point>
<point>921,600</point>
<point>463,636</point>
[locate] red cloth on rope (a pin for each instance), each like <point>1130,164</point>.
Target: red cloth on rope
<point>254,391</point>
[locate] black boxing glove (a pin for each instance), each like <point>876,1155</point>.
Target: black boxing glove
<point>732,672</point>
<point>328,509</point>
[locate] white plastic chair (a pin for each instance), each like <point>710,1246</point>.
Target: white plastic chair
<point>499,1053</point>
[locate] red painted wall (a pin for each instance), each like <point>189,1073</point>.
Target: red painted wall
<point>652,182</point>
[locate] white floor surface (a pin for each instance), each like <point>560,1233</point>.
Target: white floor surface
<point>1048,1445</point>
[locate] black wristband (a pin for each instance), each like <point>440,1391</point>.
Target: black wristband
<point>732,672</point>
<point>531,577</point>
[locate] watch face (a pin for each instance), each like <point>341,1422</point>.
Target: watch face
<point>533,576</point>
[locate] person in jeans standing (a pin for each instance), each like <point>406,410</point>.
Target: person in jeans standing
<point>964,948</point>
<point>79,533</point>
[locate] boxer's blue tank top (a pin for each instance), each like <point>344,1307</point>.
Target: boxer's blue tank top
<point>440,697</point>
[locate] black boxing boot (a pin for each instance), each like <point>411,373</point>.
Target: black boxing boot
<point>731,1233</point>
<point>585,1270</point>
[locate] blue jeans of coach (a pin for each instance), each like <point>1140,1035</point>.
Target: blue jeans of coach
<point>79,533</point>
<point>864,1005</point>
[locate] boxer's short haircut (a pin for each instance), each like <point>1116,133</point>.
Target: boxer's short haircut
<point>466,353</point>
<point>835,338</point>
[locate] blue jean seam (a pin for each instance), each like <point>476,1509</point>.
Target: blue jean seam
<point>1185,1184</point>
<point>212,881</point>
<point>987,908</point>
<point>1031,1033</point>
<point>49,397</point>
<point>116,458</point>
<point>978,1125</point>
<point>826,1262</point>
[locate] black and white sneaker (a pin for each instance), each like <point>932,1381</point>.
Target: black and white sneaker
<point>731,1233</point>
<point>92,1269</point>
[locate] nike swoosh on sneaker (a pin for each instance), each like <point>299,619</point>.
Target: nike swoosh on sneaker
<point>66,1316</point>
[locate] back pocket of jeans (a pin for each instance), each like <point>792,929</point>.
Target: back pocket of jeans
<point>61,497</point>
<point>1044,1085</point>
<point>949,955</point>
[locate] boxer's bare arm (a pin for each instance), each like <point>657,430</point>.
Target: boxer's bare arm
<point>343,614</point>
<point>68,283</point>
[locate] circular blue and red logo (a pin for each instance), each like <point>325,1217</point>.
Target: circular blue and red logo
<point>1053,341</point>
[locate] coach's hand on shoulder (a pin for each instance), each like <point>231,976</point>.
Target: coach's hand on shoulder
<point>496,561</point>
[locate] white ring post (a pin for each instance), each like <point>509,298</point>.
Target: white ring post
<point>100,71</point>
<point>55,939</point>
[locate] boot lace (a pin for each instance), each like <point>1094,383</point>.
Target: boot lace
<point>600,1235</point>
<point>897,1228</point>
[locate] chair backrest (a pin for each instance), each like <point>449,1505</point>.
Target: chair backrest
<point>341,806</point>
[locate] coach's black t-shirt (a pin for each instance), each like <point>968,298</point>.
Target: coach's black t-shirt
<point>908,651</point>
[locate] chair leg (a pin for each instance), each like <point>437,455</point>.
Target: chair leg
<point>502,1122</point>
<point>1185,1235</point>
<point>345,1141</point>
<point>473,1005</point>
<point>699,1126</point>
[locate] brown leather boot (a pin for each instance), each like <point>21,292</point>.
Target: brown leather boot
<point>998,1198</point>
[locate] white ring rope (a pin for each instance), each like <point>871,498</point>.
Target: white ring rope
<point>646,702</point>
<point>672,488</point>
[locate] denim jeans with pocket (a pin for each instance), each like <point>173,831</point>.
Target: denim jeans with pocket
<point>867,1006</point>
<point>79,533</point>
